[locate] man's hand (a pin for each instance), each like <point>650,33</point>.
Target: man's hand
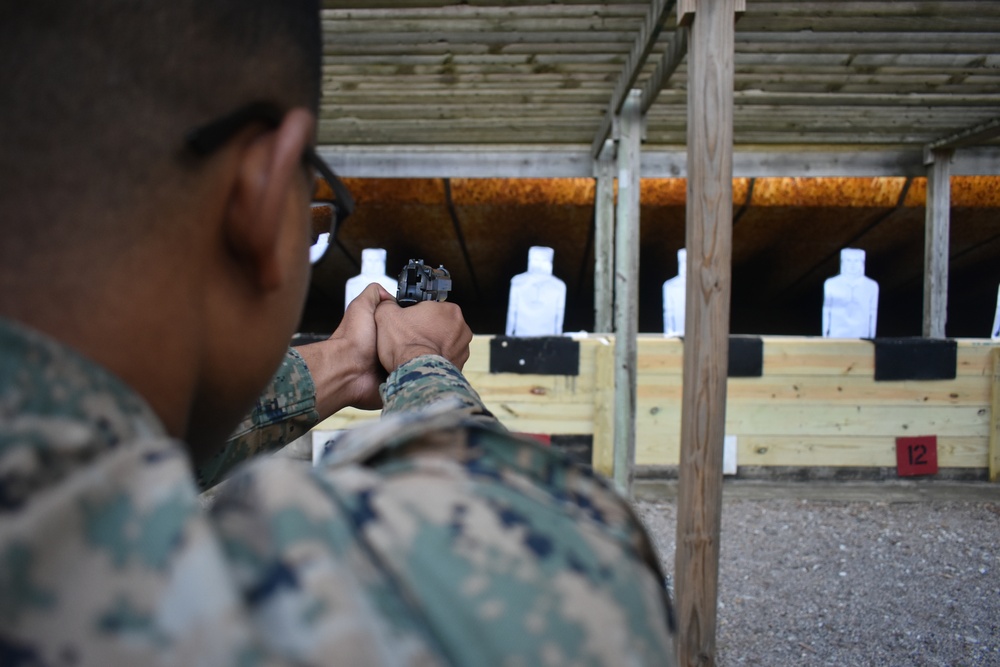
<point>429,327</point>
<point>346,367</point>
<point>376,336</point>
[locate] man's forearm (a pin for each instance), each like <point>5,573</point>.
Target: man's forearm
<point>336,374</point>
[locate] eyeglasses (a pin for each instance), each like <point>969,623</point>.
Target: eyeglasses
<point>328,190</point>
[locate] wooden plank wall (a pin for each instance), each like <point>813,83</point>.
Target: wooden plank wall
<point>816,404</point>
<point>544,404</point>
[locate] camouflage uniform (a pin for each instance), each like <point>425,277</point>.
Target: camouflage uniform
<point>431,538</point>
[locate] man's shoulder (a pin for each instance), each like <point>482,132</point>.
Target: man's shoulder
<point>59,413</point>
<point>118,517</point>
<point>44,379</point>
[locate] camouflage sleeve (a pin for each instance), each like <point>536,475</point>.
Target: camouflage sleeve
<point>431,379</point>
<point>285,411</point>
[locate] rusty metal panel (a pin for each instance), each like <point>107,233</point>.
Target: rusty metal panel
<point>785,243</point>
<point>523,191</point>
<point>827,192</point>
<point>970,191</point>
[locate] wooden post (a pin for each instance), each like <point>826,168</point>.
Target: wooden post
<point>706,335</point>
<point>603,458</point>
<point>994,456</point>
<point>604,228</point>
<point>936,230</point>
<point>627,289</point>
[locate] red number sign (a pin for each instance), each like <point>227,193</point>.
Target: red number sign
<point>916,456</point>
<point>540,437</point>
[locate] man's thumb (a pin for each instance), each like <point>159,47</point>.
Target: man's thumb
<point>373,295</point>
<point>383,294</point>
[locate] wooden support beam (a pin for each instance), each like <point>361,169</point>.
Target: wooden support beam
<point>709,224</point>
<point>604,230</point>
<point>656,16</point>
<point>665,68</point>
<point>973,135</point>
<point>487,161</point>
<point>627,290</point>
<point>686,10</point>
<point>604,410</point>
<point>937,223</point>
<point>995,421</point>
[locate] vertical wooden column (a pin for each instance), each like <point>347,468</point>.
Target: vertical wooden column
<point>604,229</point>
<point>604,411</point>
<point>706,335</point>
<point>994,451</point>
<point>627,289</point>
<point>937,223</point>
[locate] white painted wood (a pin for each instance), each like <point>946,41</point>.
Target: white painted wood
<point>627,290</point>
<point>486,161</point>
<point>686,10</point>
<point>458,162</point>
<point>936,233</point>
<point>729,461</point>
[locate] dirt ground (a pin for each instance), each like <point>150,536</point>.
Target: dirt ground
<point>821,582</point>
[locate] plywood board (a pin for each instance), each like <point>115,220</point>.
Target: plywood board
<point>816,405</point>
<point>767,391</point>
<point>827,451</point>
<point>820,420</point>
<point>540,388</point>
<point>604,406</point>
<point>994,437</point>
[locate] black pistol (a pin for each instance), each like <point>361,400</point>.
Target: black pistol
<point>419,282</point>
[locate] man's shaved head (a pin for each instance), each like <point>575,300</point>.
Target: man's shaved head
<point>181,273</point>
<point>99,93</point>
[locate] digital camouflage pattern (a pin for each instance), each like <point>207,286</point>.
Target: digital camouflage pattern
<point>286,411</point>
<point>432,537</point>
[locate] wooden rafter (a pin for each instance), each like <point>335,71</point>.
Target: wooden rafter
<point>970,136</point>
<point>667,65</point>
<point>656,16</point>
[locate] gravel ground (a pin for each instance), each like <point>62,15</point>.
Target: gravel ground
<point>852,583</point>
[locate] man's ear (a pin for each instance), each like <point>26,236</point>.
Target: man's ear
<point>269,185</point>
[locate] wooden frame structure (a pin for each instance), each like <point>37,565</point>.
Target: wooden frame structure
<point>816,410</point>
<point>853,70</point>
<point>994,455</point>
